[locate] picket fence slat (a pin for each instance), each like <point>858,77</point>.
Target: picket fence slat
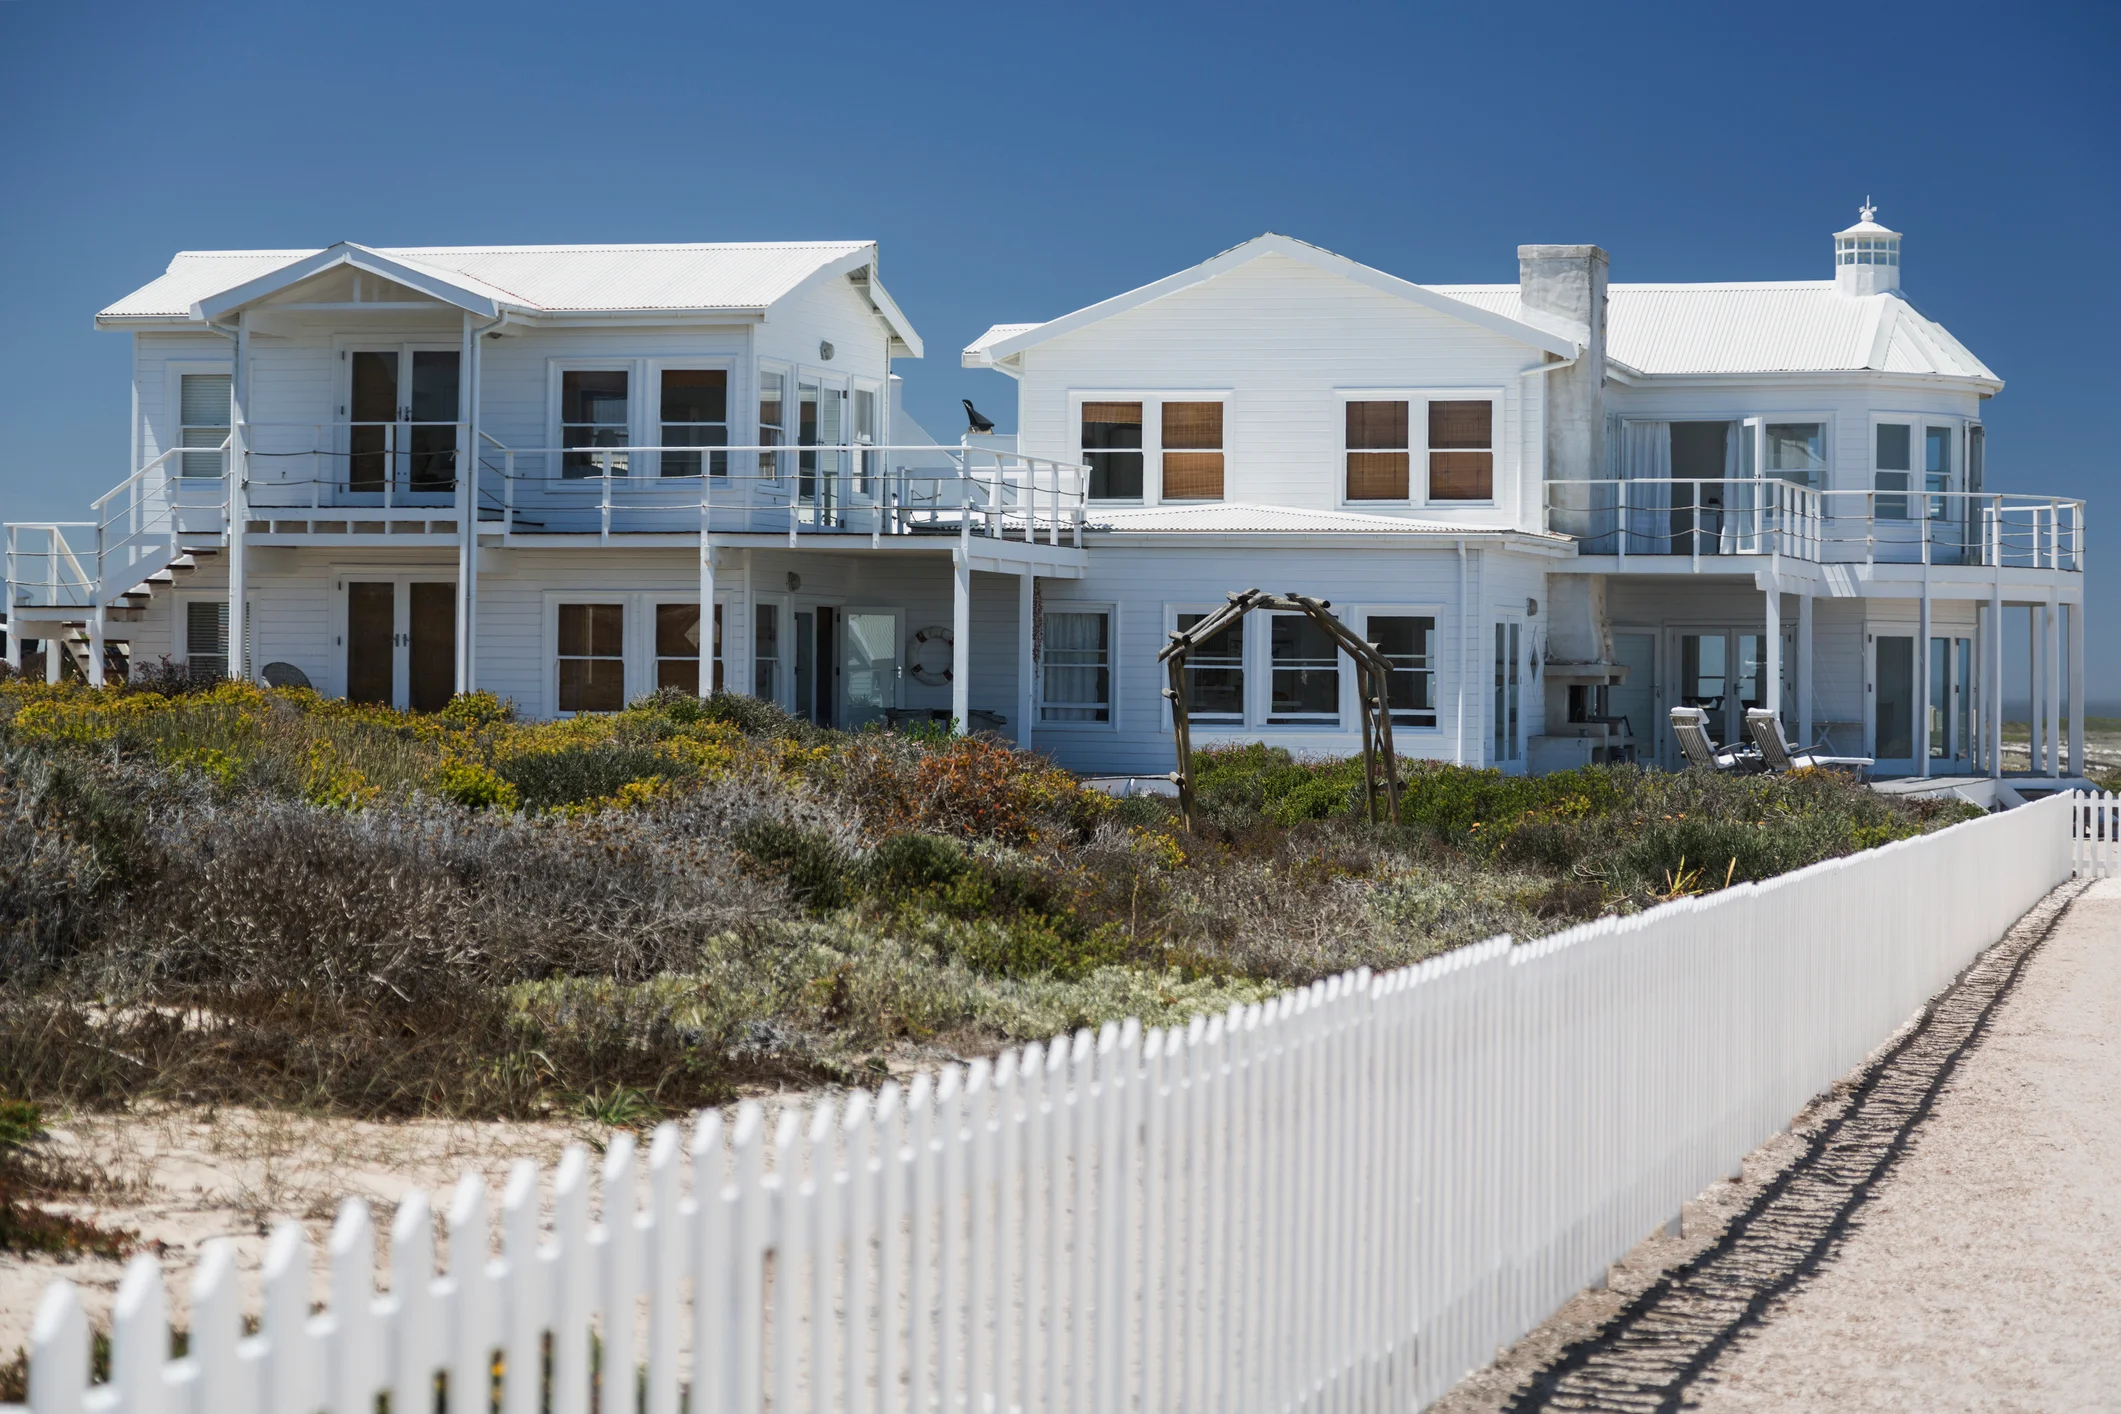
<point>1343,1198</point>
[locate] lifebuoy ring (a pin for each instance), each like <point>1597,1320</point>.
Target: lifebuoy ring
<point>917,655</point>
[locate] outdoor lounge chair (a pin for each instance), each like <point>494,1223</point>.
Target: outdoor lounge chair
<point>1691,726</point>
<point>1766,732</point>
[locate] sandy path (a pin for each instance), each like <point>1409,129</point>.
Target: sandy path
<point>1986,1272</point>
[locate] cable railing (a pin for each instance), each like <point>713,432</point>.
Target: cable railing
<point>334,466</point>
<point>847,489</point>
<point>45,568</point>
<point>1703,517</point>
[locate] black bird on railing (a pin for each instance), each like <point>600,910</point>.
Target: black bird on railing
<point>979,422</point>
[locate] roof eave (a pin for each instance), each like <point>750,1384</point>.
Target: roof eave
<point>1296,250</point>
<point>482,303</point>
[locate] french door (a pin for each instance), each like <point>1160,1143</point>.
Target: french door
<point>401,409</point>
<point>869,666</point>
<point>1720,670</point>
<point>401,642</point>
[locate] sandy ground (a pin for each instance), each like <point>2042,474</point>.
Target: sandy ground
<point>1986,1273</point>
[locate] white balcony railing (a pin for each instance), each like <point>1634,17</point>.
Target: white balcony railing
<point>850,489</point>
<point>1702,518</point>
<point>48,565</point>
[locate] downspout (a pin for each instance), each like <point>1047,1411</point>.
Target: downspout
<point>1465,656</point>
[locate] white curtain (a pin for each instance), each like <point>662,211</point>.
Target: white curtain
<point>1646,457</point>
<point>1741,499</point>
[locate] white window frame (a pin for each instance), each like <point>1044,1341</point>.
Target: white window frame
<point>637,376</point>
<point>180,626</point>
<point>1342,677</point>
<point>870,467</point>
<point>1152,401</point>
<point>1112,655</point>
<point>1417,401</point>
<point>775,465</point>
<point>653,396</point>
<point>1363,613</point>
<point>173,422</point>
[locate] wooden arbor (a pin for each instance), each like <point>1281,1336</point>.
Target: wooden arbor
<point>1375,696</point>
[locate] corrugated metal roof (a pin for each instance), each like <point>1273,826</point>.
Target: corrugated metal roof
<point>750,275</point>
<point>1798,326</point>
<point>1225,518</point>
<point>975,352</point>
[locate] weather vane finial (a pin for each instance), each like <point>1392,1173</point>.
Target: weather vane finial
<point>1867,211</point>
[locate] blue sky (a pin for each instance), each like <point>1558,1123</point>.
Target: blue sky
<point>1017,162</point>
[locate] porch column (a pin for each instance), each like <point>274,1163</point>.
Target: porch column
<point>1804,671</point>
<point>1922,683</point>
<point>961,640</point>
<point>741,650</point>
<point>2076,688</point>
<point>709,556</point>
<point>95,645</point>
<point>2052,623</point>
<point>467,504</point>
<point>237,499</point>
<point>1994,654</point>
<point>1026,627</point>
<point>53,647</point>
<point>1773,668</point>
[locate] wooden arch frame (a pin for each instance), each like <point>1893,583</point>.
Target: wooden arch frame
<point>1375,700</point>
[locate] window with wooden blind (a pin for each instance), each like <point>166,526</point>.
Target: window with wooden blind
<point>1462,451</point>
<point>1378,453</point>
<point>1112,447</point>
<point>677,647</point>
<point>1193,451</point>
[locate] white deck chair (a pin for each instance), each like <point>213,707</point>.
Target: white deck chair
<point>1691,726</point>
<point>1766,732</point>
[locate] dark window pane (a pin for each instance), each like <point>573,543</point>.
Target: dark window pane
<point>593,396</point>
<point>680,673</point>
<point>695,395</point>
<point>677,630</point>
<point>1461,476</point>
<point>606,630</point>
<point>1193,426</point>
<point>1461,426</point>
<point>1895,447</point>
<point>1306,682</point>
<point>1215,674</point>
<point>1377,426</point>
<point>1378,476</point>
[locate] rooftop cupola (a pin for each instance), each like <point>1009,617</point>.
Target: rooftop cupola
<point>1866,256</point>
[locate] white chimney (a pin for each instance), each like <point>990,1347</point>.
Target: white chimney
<point>1866,256</point>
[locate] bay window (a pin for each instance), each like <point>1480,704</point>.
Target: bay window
<point>1895,464</point>
<point>1796,452</point>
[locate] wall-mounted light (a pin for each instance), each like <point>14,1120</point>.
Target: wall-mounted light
<point>1531,608</point>
<point>795,581</point>
<point>824,351</point>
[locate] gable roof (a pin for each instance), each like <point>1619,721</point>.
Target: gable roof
<point>733,278</point>
<point>1786,326</point>
<point>997,346</point>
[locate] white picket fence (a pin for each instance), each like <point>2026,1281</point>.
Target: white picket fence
<point>2097,830</point>
<point>1341,1200</point>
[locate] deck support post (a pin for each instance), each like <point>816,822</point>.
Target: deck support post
<point>1994,655</point>
<point>1923,705</point>
<point>710,558</point>
<point>1772,668</point>
<point>95,644</point>
<point>961,640</point>
<point>53,647</point>
<point>2051,624</point>
<point>1026,664</point>
<point>237,499</point>
<point>1804,670</point>
<point>2076,688</point>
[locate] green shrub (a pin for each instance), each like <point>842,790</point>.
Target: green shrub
<point>547,780</point>
<point>913,863</point>
<point>1029,946</point>
<point>477,709</point>
<point>817,868</point>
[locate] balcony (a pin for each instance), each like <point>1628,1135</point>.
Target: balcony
<point>1708,519</point>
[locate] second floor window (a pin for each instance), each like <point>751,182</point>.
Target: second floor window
<point>695,414</point>
<point>1895,465</point>
<point>1112,446</point>
<point>1937,468</point>
<point>1462,451</point>
<point>1378,458</point>
<point>592,414</point>
<point>1796,451</point>
<point>1193,451</point>
<point>773,419</point>
<point>204,399</point>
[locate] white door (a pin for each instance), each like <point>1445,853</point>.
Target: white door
<point>869,668</point>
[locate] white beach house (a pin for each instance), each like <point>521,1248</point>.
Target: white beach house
<point>1560,507</point>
